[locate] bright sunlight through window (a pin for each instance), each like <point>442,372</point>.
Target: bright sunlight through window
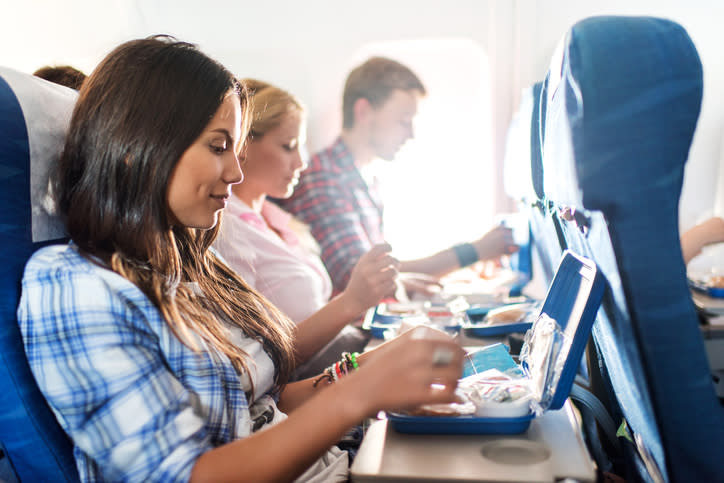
<point>438,191</point>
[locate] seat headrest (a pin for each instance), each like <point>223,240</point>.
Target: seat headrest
<point>517,179</point>
<point>640,78</point>
<point>45,112</point>
<point>537,123</point>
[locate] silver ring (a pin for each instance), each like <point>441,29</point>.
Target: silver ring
<point>442,356</point>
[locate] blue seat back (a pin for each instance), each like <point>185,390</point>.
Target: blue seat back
<point>34,116</point>
<point>622,101</point>
<point>545,239</point>
<point>517,181</point>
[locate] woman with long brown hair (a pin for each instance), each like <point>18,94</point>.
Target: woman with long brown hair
<point>160,362</point>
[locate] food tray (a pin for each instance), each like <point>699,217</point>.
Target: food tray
<point>573,299</point>
<point>458,424</point>
<point>701,286</point>
<point>492,330</point>
<point>379,320</point>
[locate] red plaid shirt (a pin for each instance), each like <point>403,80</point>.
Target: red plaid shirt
<point>342,210</point>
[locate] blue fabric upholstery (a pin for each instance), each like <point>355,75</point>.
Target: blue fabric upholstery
<point>618,126</point>
<point>537,123</point>
<point>518,185</point>
<point>545,242</point>
<point>33,120</point>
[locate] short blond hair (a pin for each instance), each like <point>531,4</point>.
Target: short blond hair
<point>268,105</point>
<point>375,80</point>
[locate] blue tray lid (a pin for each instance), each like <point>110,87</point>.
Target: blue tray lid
<point>572,302</point>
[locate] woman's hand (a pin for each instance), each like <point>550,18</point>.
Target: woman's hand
<point>373,278</point>
<point>420,367</point>
<point>401,339</point>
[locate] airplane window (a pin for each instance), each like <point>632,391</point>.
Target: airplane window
<point>438,191</point>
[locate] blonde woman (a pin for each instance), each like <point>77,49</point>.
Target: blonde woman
<point>269,249</point>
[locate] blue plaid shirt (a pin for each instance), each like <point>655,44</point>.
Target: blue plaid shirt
<point>138,404</point>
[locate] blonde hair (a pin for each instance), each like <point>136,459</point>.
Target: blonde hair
<point>268,106</point>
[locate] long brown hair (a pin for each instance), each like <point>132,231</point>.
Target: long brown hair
<point>137,113</point>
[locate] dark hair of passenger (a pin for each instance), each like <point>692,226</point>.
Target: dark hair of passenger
<point>374,80</point>
<point>138,112</point>
<point>65,75</point>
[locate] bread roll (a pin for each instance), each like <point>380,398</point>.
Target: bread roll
<point>508,314</point>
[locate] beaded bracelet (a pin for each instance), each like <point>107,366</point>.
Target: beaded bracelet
<point>339,369</point>
<point>351,359</point>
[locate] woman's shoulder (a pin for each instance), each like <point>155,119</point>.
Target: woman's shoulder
<point>64,291</point>
<point>54,261</point>
<point>63,266</point>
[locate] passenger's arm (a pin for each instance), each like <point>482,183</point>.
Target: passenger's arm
<point>395,378</point>
<point>495,243</point>
<point>695,239</point>
<point>295,394</point>
<point>373,278</point>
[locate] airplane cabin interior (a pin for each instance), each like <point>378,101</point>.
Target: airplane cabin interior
<point>591,131</point>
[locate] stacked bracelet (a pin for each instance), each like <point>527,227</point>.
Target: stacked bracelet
<point>466,253</point>
<point>339,369</point>
<point>350,360</point>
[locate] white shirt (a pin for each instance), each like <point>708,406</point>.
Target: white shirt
<point>277,265</point>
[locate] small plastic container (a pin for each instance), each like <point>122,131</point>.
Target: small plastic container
<point>512,409</point>
<point>488,327</point>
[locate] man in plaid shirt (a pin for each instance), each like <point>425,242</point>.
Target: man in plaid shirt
<point>343,210</point>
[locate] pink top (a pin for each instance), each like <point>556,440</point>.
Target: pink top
<point>278,266</point>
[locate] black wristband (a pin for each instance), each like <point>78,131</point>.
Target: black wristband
<point>466,253</point>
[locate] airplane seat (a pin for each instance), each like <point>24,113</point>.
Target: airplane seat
<point>523,182</point>
<point>546,238</point>
<point>622,106</point>
<point>34,116</point>
<point>517,182</point>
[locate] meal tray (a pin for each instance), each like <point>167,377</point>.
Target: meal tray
<point>491,330</point>
<point>716,292</point>
<point>458,424</point>
<point>573,299</point>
